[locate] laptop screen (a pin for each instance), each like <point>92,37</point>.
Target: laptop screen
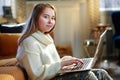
<point>99,48</point>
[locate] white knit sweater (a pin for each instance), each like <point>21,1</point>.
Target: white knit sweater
<point>38,55</point>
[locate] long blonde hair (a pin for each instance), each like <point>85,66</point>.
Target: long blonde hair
<point>31,24</point>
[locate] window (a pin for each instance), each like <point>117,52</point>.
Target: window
<point>109,5</point>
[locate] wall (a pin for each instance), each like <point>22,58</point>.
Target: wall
<point>18,8</point>
<point>21,10</point>
<point>7,3</point>
<point>71,28</point>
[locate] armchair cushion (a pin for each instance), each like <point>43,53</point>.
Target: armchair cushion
<point>13,72</point>
<point>6,77</point>
<point>9,70</point>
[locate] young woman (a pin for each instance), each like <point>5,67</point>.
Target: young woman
<point>37,53</point>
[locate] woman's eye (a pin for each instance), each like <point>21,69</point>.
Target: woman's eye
<point>53,18</point>
<point>48,17</point>
<point>45,16</point>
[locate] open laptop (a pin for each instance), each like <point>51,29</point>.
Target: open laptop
<point>90,62</point>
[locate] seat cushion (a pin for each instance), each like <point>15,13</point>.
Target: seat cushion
<point>12,72</point>
<point>6,77</point>
<point>10,69</point>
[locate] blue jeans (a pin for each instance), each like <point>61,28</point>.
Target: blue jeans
<point>94,74</point>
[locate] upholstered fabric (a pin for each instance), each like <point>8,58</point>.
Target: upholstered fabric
<point>116,23</point>
<point>8,62</point>
<point>115,20</point>
<point>6,77</point>
<point>8,44</point>
<point>9,70</point>
<point>13,72</point>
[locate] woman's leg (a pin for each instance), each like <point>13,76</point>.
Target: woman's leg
<point>101,74</point>
<point>81,75</point>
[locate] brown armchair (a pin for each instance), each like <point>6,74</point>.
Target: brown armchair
<point>9,70</point>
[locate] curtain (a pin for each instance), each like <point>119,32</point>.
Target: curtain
<point>94,20</point>
<point>93,12</point>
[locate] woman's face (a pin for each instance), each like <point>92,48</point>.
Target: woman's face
<point>46,20</point>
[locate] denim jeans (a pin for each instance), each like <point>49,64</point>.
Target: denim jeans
<point>94,74</point>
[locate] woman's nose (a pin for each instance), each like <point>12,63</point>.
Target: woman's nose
<point>49,21</point>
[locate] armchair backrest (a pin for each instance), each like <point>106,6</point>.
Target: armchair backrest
<point>116,24</point>
<point>8,44</point>
<point>116,21</point>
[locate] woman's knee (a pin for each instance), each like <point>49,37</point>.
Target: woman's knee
<point>91,76</point>
<point>99,70</point>
<point>102,71</point>
<point>102,74</point>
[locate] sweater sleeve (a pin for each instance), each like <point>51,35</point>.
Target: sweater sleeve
<point>38,71</point>
<point>66,58</point>
<point>33,65</point>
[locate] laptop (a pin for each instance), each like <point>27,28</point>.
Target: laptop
<point>90,62</point>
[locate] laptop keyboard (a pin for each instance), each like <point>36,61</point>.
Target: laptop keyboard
<point>86,63</point>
